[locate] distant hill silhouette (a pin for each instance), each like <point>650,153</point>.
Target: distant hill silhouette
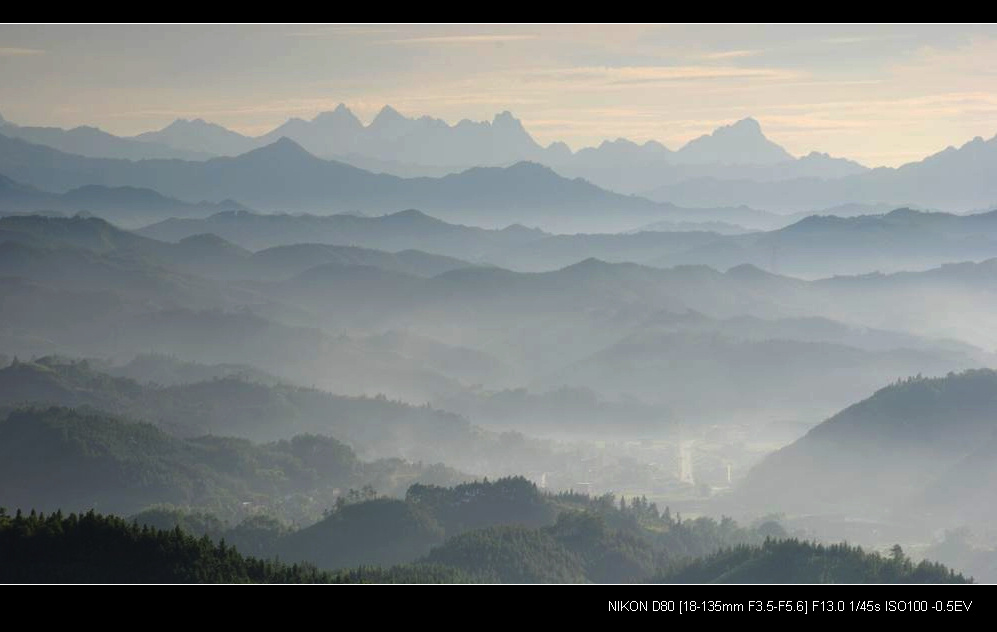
<point>925,442</point>
<point>956,179</point>
<point>741,144</point>
<point>198,136</point>
<point>91,141</point>
<point>285,176</point>
<point>825,245</point>
<point>127,205</point>
<point>410,147</point>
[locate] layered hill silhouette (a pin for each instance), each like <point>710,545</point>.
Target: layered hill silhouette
<point>395,144</point>
<point>374,427</point>
<point>417,142</point>
<point>812,247</point>
<point>129,206</point>
<point>826,245</point>
<point>216,302</point>
<point>734,165</point>
<point>924,442</point>
<point>283,176</point>
<point>91,141</point>
<point>955,179</point>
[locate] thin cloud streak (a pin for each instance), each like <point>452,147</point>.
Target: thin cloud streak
<point>733,54</point>
<point>462,39</point>
<point>20,52</point>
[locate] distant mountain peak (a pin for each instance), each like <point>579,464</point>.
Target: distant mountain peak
<point>411,216</point>
<point>619,142</point>
<point>388,110</point>
<point>747,271</point>
<point>196,124</point>
<point>907,212</point>
<point>284,148</point>
<point>3,121</point>
<point>529,167</point>
<point>746,128</point>
<point>506,121</point>
<point>284,141</point>
<point>409,212</point>
<point>341,114</point>
<point>747,124</point>
<point>203,238</point>
<point>741,142</point>
<point>589,266</point>
<point>387,114</point>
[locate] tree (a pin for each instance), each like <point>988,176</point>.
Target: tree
<point>897,553</point>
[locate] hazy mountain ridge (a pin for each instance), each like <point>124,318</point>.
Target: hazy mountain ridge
<point>78,460</point>
<point>284,176</point>
<point>129,206</point>
<point>821,246</point>
<point>427,141</point>
<point>268,412</point>
<point>912,438</point>
<point>411,147</point>
<point>734,165</point>
<point>814,246</point>
<point>955,179</point>
<point>94,142</point>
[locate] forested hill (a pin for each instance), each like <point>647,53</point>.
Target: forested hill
<point>59,458</point>
<point>93,548</point>
<point>919,449</point>
<point>798,562</point>
<point>374,426</point>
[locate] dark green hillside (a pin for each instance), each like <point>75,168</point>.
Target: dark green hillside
<point>375,532</point>
<point>508,530</point>
<point>367,534</point>
<point>796,562</point>
<point>92,548</point>
<point>479,504</point>
<point>579,547</point>
<point>511,555</point>
<point>60,458</point>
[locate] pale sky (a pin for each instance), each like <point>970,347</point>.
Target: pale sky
<point>882,95</point>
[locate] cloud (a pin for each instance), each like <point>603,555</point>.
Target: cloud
<point>862,39</point>
<point>732,54</point>
<point>622,75</point>
<point>325,31</point>
<point>462,39</point>
<point>19,52</point>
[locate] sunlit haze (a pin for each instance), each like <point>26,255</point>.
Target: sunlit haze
<point>881,95</point>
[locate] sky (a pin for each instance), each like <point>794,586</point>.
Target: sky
<point>882,95</point>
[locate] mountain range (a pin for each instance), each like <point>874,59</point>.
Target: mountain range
<point>732,167</point>
<point>284,176</point>
<point>213,301</point>
<point>127,206</point>
<point>409,147</point>
<point>423,141</point>
<point>91,141</point>
<point>815,246</point>
<point>957,179</point>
